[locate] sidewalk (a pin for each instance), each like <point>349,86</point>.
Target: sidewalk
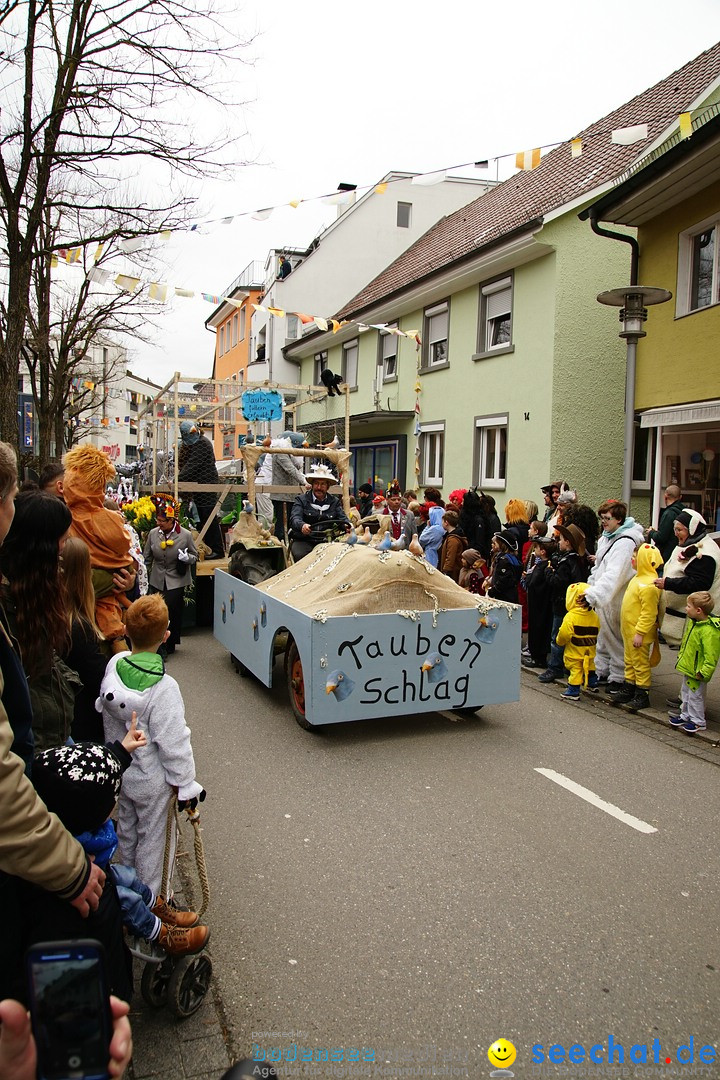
<point>665,684</point>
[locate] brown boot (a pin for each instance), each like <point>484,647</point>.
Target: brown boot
<point>178,942</point>
<point>173,916</point>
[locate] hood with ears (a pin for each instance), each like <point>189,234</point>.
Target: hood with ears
<point>649,560</point>
<point>574,594</point>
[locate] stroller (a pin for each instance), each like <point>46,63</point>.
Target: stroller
<point>180,982</point>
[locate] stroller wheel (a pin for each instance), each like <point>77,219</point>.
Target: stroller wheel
<point>189,983</point>
<point>155,983</point>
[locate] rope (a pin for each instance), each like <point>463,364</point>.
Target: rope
<point>173,821</point>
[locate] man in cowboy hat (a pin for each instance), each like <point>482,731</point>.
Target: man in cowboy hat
<point>313,507</point>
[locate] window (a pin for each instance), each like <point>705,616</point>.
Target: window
<point>221,346</point>
<point>319,365</point>
<point>234,330</point>
<point>292,327</point>
<point>491,451</point>
<point>642,457</point>
<point>432,447</point>
<point>404,215</point>
<point>241,335</point>
<point>388,356</point>
<point>350,363</point>
<point>698,278</point>
<point>435,338</point>
<point>495,315</point>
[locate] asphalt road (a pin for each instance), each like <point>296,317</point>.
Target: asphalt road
<point>415,887</point>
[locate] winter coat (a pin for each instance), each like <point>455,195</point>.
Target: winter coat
<point>505,573</point>
<point>450,554</point>
<point>613,569</point>
<point>692,567</point>
<point>306,512</point>
<point>540,612</point>
<point>699,650</point>
<point>287,472</point>
<point>579,629</point>
<point>166,569</point>
<point>88,656</point>
<point>664,536</point>
<point>639,611</point>
<point>566,568</point>
<point>433,535</point>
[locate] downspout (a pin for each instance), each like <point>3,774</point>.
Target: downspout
<point>631,362</point>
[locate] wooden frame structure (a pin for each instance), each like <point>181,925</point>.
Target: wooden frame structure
<point>170,397</point>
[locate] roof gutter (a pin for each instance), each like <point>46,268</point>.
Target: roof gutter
<point>631,240</point>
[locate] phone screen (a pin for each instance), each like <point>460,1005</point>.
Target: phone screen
<point>70,1012</point>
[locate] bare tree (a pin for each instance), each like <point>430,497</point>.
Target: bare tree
<point>91,90</point>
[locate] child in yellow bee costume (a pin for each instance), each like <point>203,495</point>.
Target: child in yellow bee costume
<point>578,635</point>
<point>639,625</point>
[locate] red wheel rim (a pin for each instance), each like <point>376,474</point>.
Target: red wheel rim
<point>297,684</point>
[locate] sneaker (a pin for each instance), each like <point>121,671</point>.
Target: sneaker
<point>549,676</point>
<point>675,721</point>
<point>173,916</point>
<point>614,687</point>
<point>690,727</point>
<point>593,682</point>
<point>179,942</point>
<point>602,680</point>
<point>527,661</point>
<point>571,694</point>
<point>623,696</point>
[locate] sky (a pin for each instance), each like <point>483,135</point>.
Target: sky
<point>340,92</point>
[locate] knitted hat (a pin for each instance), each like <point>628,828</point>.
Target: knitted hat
<point>507,539</point>
<point>470,555</point>
<point>367,488</point>
<point>574,535</point>
<point>189,432</point>
<point>79,783</point>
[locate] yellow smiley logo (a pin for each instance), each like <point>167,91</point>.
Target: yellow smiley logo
<point>502,1054</point>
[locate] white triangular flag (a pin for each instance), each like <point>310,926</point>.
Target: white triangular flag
<point>628,135</point>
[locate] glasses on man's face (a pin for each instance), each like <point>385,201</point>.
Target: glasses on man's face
<point>606,517</point>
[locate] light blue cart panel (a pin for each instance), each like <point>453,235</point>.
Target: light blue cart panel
<point>357,667</point>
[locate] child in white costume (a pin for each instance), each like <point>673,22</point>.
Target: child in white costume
<point>136,682</point>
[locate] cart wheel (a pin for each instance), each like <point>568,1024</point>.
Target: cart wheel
<point>239,667</point>
<point>296,685</point>
<point>155,982</point>
<point>189,983</point>
<point>469,711</point>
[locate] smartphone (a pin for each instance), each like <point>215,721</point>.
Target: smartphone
<point>70,1009</point>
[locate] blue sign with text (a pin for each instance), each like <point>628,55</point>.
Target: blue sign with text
<point>262,405</point>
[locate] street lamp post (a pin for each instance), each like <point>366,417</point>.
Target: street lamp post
<point>633,301</point>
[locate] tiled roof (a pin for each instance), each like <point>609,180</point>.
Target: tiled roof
<point>558,180</point>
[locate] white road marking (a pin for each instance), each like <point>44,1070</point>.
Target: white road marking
<point>595,800</point>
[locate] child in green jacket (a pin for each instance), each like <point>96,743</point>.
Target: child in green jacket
<point>697,659</point>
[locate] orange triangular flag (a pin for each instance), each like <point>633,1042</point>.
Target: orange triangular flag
<point>528,159</point>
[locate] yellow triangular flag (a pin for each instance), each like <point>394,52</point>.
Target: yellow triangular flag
<point>686,128</point>
<point>277,311</point>
<point>53,261</point>
<point>528,159</point>
<point>98,252</point>
<point>73,255</point>
<point>258,307</point>
<point>576,148</point>
<point>165,234</point>
<point>380,189</point>
<point>294,203</point>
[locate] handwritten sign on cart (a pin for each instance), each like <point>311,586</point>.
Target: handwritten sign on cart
<point>262,405</point>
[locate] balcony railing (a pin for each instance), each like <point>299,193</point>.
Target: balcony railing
<point>252,277</point>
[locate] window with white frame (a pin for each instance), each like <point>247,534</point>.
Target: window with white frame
<point>292,327</point>
<point>435,338</point>
<point>491,451</point>
<point>388,356</point>
<point>320,363</point>
<point>221,346</point>
<point>404,215</point>
<point>698,271</point>
<point>432,449</point>
<point>495,315</point>
<point>234,330</point>
<point>349,368</point>
<point>241,332</point>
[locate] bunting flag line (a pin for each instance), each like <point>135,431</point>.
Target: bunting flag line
<point>524,160</point>
<point>628,135</point>
<point>528,159</point>
<point>157,291</point>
